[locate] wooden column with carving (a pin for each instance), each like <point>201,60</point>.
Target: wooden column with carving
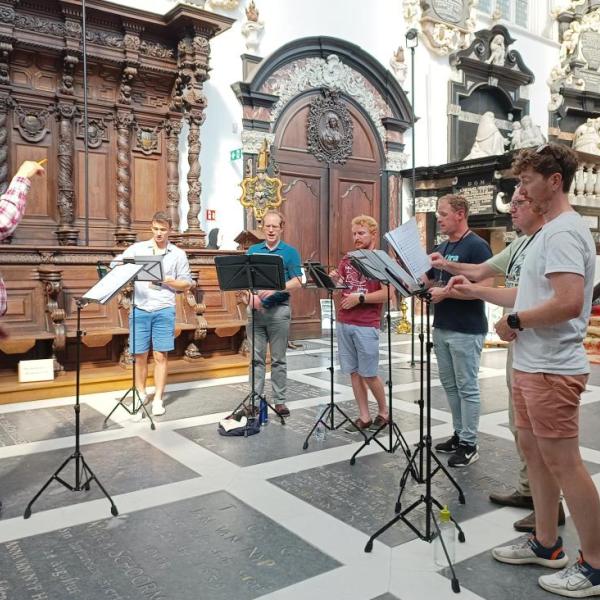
<point>66,233</point>
<point>194,236</point>
<point>4,107</point>
<point>192,62</point>
<point>51,278</point>
<point>124,234</point>
<point>172,130</point>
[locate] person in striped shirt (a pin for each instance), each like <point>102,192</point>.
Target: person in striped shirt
<point>12,209</point>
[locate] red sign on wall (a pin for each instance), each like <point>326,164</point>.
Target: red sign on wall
<point>211,214</point>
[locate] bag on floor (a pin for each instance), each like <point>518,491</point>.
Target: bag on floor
<point>243,426</point>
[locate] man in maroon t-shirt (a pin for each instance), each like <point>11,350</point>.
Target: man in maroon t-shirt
<point>357,328</point>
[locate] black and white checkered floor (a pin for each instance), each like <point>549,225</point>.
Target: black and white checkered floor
<point>202,517</point>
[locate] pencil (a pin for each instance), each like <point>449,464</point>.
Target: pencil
<point>42,162</point>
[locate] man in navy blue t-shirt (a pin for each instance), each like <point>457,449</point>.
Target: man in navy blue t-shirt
<point>460,326</point>
<point>273,315</point>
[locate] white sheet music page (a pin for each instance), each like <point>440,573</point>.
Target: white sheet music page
<point>111,283</point>
<point>406,242</point>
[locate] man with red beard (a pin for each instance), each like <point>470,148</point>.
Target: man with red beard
<point>357,328</point>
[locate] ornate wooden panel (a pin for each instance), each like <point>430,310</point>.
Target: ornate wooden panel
<point>146,75</point>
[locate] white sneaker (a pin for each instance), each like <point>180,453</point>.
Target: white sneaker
<point>577,581</point>
<point>158,408</point>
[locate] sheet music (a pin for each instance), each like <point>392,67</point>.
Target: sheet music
<point>406,243</point>
<point>377,264</point>
<point>111,283</point>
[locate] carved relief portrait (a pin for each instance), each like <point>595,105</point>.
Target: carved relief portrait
<point>329,129</point>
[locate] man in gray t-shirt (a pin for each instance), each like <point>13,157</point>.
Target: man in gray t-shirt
<point>550,371</point>
<point>507,263</point>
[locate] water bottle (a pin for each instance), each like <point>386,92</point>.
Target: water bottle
<point>263,412</point>
<point>320,430</point>
<point>448,534</point>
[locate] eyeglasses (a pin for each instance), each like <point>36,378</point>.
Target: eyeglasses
<point>518,203</point>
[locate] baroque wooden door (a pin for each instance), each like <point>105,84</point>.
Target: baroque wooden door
<point>322,197</point>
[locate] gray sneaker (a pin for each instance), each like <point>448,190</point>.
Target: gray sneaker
<point>530,551</point>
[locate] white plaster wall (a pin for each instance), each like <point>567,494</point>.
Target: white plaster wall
<point>377,27</point>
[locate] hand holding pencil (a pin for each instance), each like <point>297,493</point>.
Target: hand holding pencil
<point>30,168</point>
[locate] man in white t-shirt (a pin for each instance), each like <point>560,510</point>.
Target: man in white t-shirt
<point>552,306</point>
<point>508,263</point>
<point>155,309</point>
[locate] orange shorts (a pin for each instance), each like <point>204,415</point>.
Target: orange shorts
<point>547,404</point>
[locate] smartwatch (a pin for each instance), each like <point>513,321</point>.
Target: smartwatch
<point>361,298</point>
<point>514,322</point>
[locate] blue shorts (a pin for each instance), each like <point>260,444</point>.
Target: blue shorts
<point>358,349</point>
<point>157,326</point>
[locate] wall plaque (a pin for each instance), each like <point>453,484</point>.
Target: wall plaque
<point>447,25</point>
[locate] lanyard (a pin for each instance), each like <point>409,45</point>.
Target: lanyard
<point>445,252</point>
<point>455,244</point>
<point>520,251</point>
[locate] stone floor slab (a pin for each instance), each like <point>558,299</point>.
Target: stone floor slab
<point>221,398</point>
<point>121,466</point>
<point>278,441</point>
<point>34,425</point>
<point>494,395</point>
<point>214,547</point>
<point>364,495</point>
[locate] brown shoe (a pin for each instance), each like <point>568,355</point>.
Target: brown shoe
<point>358,425</point>
<point>515,499</point>
<point>379,423</point>
<point>527,524</point>
<point>282,410</point>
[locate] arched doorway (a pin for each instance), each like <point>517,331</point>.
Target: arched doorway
<point>322,197</point>
<point>328,179</point>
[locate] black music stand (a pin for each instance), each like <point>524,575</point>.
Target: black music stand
<point>150,270</point>
<point>425,446</point>
<point>251,272</point>
<point>376,264</point>
<point>322,280</point>
<point>101,293</point>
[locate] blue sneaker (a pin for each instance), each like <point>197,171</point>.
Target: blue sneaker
<point>577,581</point>
<point>530,551</point>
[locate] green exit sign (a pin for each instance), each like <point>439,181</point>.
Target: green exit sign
<point>235,154</point>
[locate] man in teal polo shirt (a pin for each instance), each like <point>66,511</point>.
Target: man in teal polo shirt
<point>273,314</point>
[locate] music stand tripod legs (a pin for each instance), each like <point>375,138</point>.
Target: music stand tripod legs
<point>395,438</point>
<point>251,398</point>
<point>135,394</point>
<point>327,417</point>
<point>425,445</point>
<point>84,475</point>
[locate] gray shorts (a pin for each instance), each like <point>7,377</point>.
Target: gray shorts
<point>358,349</point>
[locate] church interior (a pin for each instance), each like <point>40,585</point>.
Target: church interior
<point>215,112</point>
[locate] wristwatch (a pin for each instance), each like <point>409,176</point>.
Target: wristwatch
<point>361,298</point>
<point>514,322</point>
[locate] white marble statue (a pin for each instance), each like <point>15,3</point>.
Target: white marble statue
<point>529,135</point>
<point>488,141</point>
<point>398,65</point>
<point>516,135</point>
<point>498,51</point>
<point>587,137</point>
<point>252,28</point>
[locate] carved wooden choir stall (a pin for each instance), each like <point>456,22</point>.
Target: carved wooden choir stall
<point>145,86</point>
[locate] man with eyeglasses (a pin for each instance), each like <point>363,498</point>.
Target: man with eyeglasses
<point>460,326</point>
<point>508,263</point>
<point>552,305</point>
<point>273,314</point>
